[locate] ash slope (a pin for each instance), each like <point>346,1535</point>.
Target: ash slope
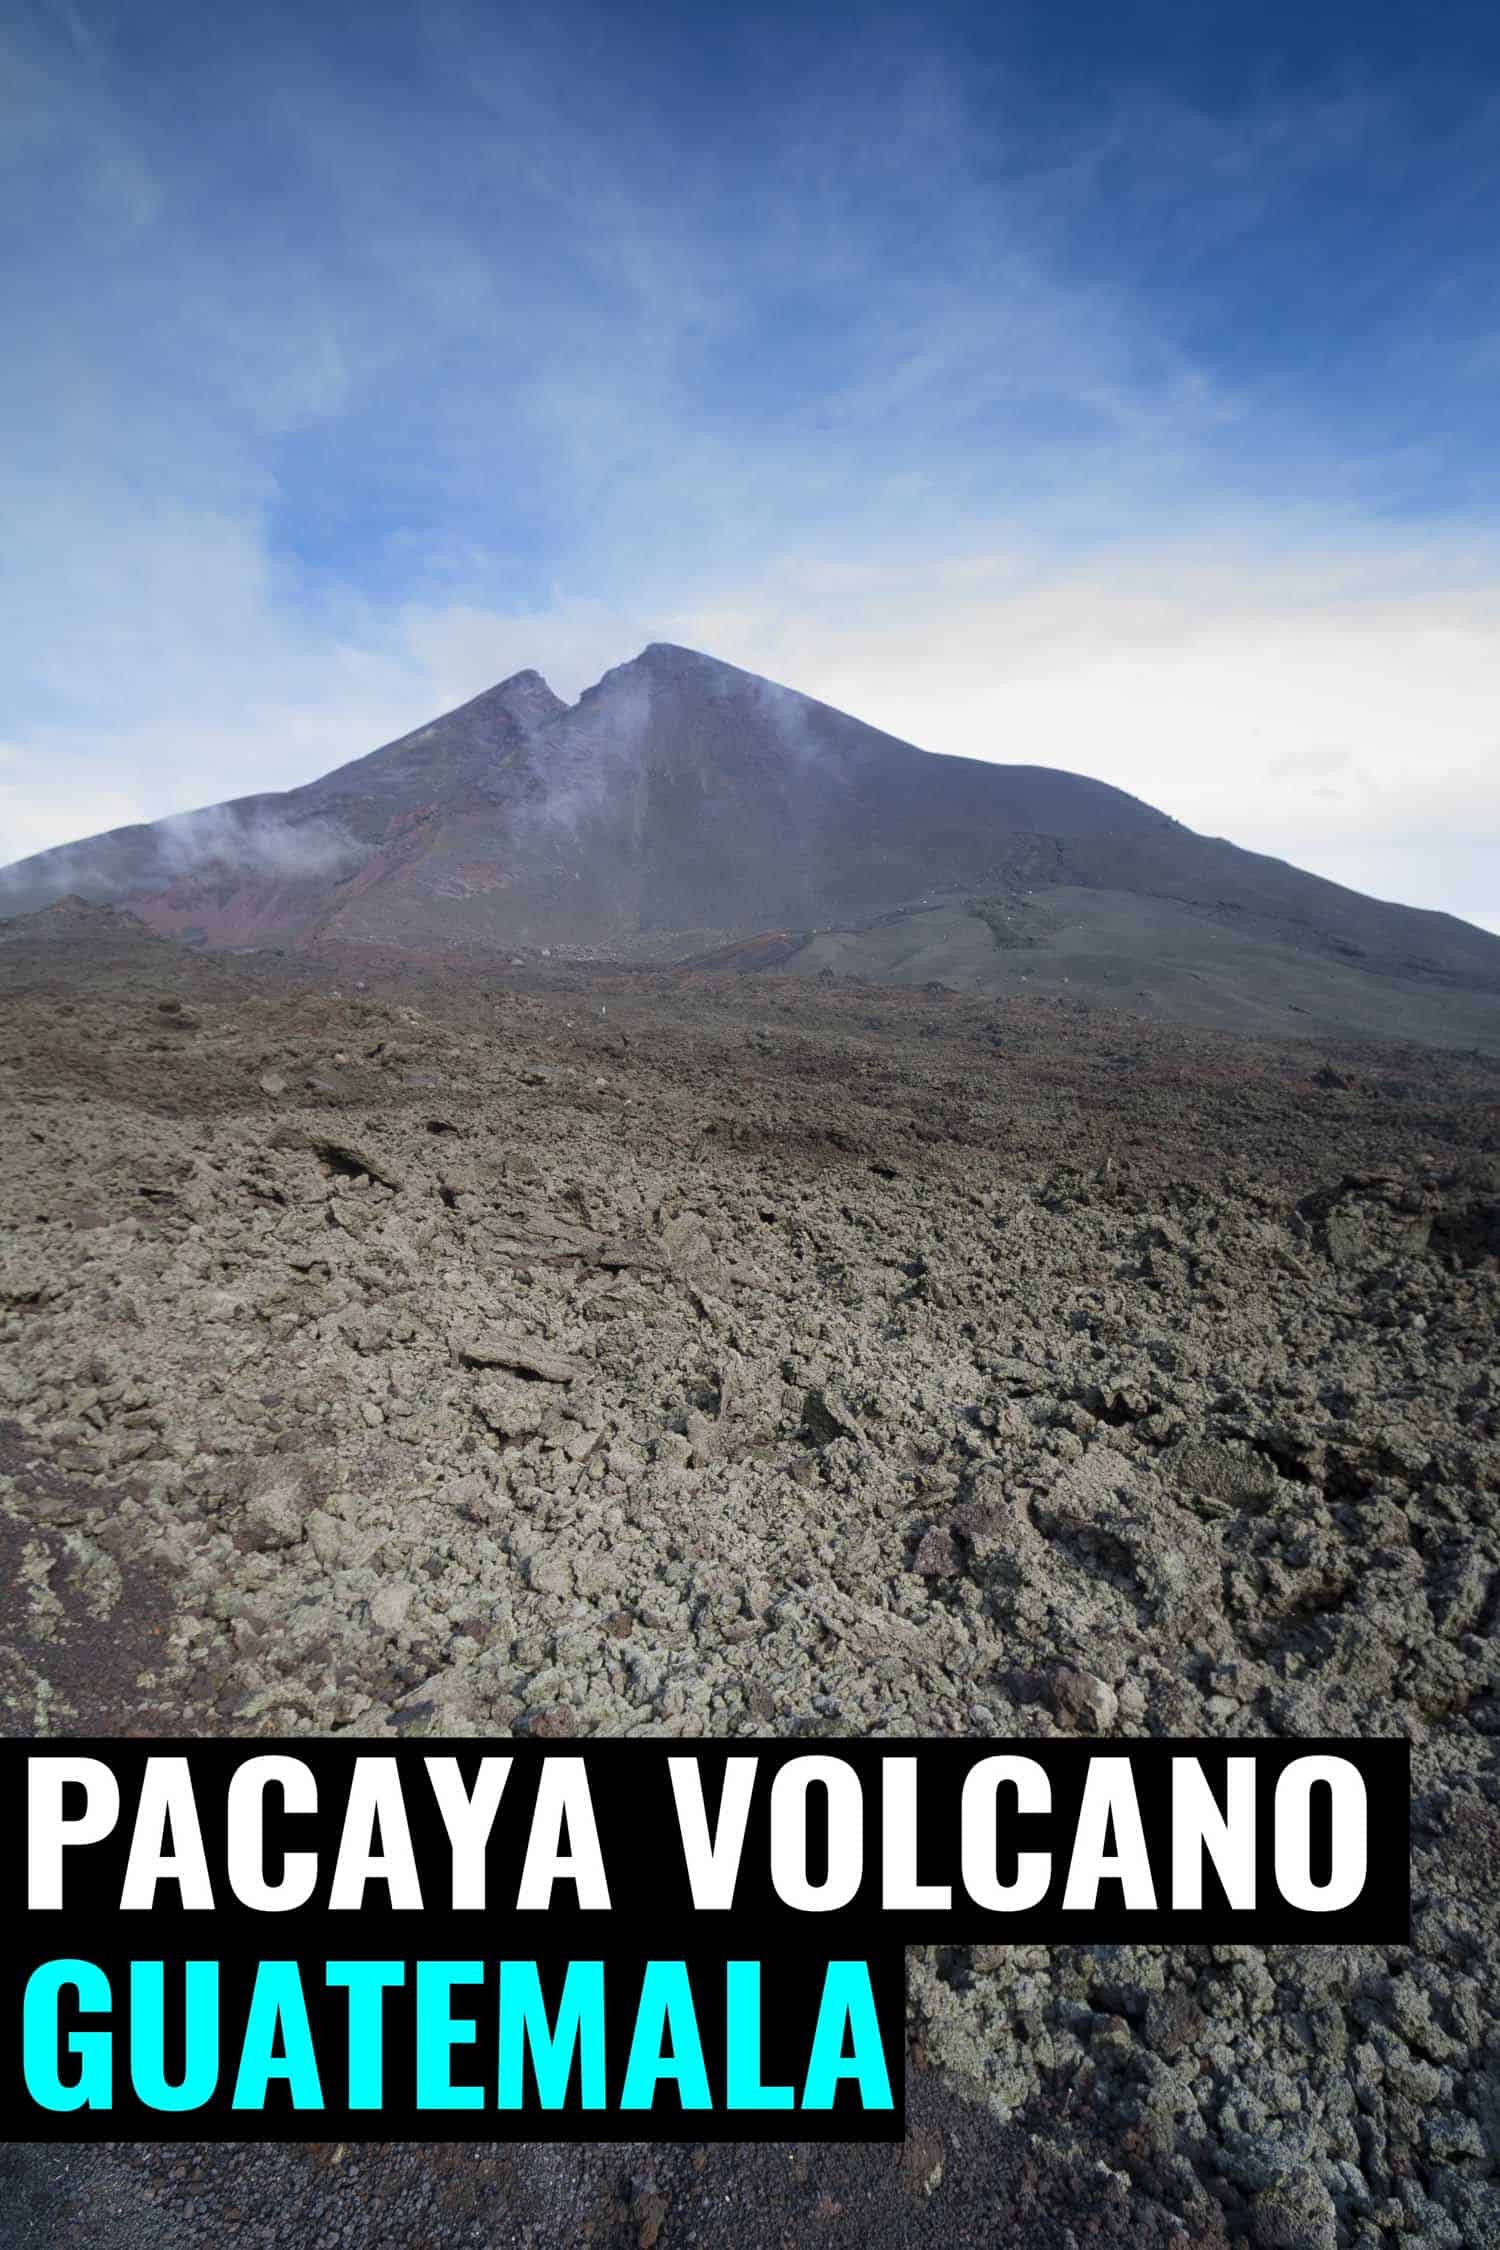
<point>683,805</point>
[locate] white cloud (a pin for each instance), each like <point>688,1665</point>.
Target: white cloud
<point>50,801</point>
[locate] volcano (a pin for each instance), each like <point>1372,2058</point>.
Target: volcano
<point>685,811</point>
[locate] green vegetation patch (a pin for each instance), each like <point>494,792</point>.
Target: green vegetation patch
<point>1011,922</point>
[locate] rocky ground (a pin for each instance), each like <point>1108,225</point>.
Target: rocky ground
<point>387,1352</point>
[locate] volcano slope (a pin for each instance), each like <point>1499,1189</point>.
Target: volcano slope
<point>392,1352</point>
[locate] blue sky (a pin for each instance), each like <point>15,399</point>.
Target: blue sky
<point>1109,385</point>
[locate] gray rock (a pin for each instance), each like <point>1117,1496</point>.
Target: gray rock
<point>1083,1702</point>
<point>1295,2213</point>
<point>493,1347</point>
